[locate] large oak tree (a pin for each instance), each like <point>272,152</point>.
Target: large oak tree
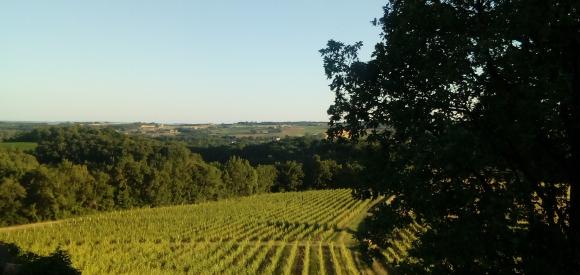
<point>476,106</point>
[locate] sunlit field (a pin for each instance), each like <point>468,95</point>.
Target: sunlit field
<point>291,233</point>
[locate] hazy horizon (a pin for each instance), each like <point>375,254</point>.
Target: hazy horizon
<point>173,61</point>
<point>160,122</point>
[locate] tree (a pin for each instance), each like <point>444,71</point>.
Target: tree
<point>208,182</point>
<point>349,174</point>
<point>290,176</point>
<point>240,176</point>
<point>129,179</point>
<point>267,175</point>
<point>103,197</point>
<point>476,106</point>
<point>323,172</point>
<point>83,191</point>
<point>47,197</point>
<point>11,197</point>
<point>15,163</point>
<point>84,169</point>
<point>63,191</point>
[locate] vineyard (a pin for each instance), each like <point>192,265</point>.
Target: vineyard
<point>285,233</point>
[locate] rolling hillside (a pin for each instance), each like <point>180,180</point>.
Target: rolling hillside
<point>291,233</point>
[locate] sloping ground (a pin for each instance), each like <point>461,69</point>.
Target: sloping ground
<point>285,233</point>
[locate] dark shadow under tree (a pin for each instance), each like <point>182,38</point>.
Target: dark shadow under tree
<point>13,261</point>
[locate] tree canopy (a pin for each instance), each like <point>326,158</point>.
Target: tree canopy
<point>77,170</point>
<point>476,108</point>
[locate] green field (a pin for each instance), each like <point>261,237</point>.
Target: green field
<point>291,233</point>
<point>19,145</point>
<point>291,130</point>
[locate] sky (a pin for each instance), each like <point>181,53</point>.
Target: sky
<point>173,61</point>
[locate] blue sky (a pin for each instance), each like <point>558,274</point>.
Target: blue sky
<point>173,61</point>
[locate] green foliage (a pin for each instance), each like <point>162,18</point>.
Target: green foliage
<point>323,172</point>
<point>11,196</point>
<point>60,192</point>
<point>476,108</point>
<point>84,169</point>
<point>325,164</point>
<point>208,182</point>
<point>267,175</point>
<point>15,164</point>
<point>349,174</point>
<point>240,177</point>
<point>290,176</point>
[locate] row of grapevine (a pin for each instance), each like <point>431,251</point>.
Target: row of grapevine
<point>289,233</point>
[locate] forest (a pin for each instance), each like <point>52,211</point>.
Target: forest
<point>76,170</point>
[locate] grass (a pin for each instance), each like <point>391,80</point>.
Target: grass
<point>295,232</point>
<point>268,130</point>
<point>25,146</point>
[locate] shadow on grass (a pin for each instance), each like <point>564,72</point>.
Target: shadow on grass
<point>371,255</point>
<point>14,261</point>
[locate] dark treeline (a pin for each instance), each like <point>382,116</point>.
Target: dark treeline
<point>324,164</point>
<point>200,138</point>
<point>10,130</point>
<point>77,170</point>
